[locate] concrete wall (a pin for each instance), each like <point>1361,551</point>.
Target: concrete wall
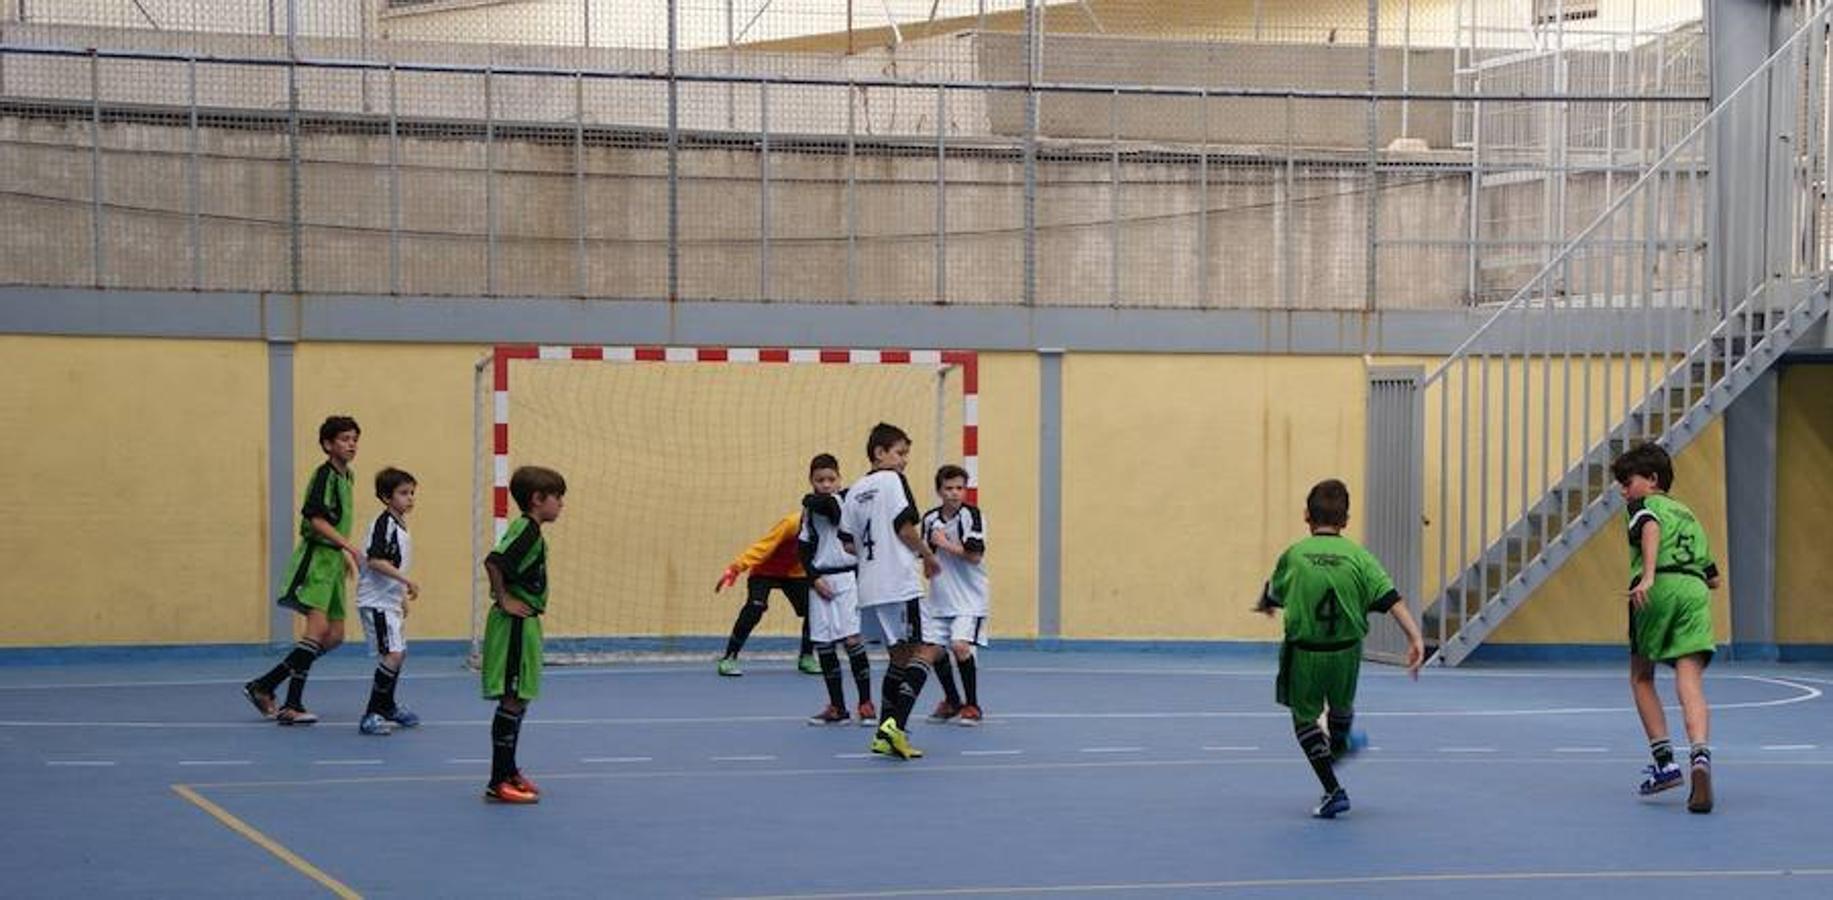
<point>1255,255</point>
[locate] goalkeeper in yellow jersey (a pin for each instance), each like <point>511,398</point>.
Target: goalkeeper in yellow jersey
<point>775,563</point>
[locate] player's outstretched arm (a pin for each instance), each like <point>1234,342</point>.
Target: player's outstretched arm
<point>1416,645</point>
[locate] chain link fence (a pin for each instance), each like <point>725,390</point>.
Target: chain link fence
<point>1341,154</point>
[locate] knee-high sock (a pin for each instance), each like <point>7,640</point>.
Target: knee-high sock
<point>382,691</point>
<point>748,616</point>
<point>970,679</point>
<point>909,688</point>
<point>1341,721</point>
<point>298,668</point>
<point>302,654</point>
<point>888,690</point>
<point>830,673</point>
<point>505,731</point>
<point>808,646</point>
<point>1317,749</point>
<point>862,670</point>
<point>945,674</point>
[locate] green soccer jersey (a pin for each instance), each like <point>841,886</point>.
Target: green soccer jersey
<point>1682,549</point>
<point>522,558</point>
<point>327,497</point>
<point>1328,584</point>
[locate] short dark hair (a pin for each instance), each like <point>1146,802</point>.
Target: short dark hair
<point>1649,460</point>
<point>823,461</point>
<point>531,480</point>
<point>949,471</point>
<point>1328,504</point>
<point>334,426</point>
<point>884,436</point>
<point>390,478</point>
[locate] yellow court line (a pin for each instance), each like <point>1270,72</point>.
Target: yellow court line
<point>266,843</point>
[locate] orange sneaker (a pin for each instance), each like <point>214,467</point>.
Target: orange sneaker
<point>508,792</point>
<point>868,714</point>
<point>521,781</point>
<point>829,715</point>
<point>969,716</point>
<point>944,711</point>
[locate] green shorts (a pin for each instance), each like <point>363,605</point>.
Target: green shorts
<point>1311,680</point>
<point>315,580</point>
<point>511,662</point>
<point>1676,621</point>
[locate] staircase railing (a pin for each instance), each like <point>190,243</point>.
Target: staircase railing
<point>1643,327</point>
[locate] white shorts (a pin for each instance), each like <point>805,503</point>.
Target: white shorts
<point>382,629</point>
<point>893,623</point>
<point>838,618</point>
<point>945,630</point>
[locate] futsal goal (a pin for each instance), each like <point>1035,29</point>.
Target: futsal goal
<point>677,458</point>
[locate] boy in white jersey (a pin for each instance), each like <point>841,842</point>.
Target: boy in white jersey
<point>878,524</point>
<point>383,592</point>
<point>955,612</point>
<point>833,613</point>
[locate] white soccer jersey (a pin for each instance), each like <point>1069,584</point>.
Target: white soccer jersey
<point>875,506</point>
<point>960,589</point>
<point>819,536</point>
<point>388,541</point>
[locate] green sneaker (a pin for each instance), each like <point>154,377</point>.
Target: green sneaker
<point>729,667</point>
<point>808,665</point>
<point>895,742</point>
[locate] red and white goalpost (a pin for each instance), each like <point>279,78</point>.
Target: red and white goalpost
<point>677,458</point>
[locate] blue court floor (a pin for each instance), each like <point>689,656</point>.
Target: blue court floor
<point>1096,774</point>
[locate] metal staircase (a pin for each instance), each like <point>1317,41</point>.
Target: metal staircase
<point>1685,289</point>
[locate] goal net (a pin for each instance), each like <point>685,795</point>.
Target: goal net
<point>676,459</point>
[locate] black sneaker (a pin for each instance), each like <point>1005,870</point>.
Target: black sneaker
<point>1699,800</point>
<point>262,699</point>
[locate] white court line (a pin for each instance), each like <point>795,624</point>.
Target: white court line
<point>852,755</point>
<point>1791,747</point>
<point>914,770</point>
<point>467,762</point>
<point>1467,750</point>
<point>1581,749</point>
<point>216,762</point>
<point>346,762</point>
<point>1807,694</point>
<point>992,752</point>
<point>1232,749</point>
<point>84,763</point>
<point>1420,878</point>
<point>616,759</point>
<point>1113,749</point>
<point>743,758</point>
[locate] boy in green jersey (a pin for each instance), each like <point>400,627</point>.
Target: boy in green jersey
<point>511,662</point>
<point>315,577</point>
<point>1327,585</point>
<point>1672,574</point>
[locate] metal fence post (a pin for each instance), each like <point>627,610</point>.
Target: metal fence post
<point>394,185</point>
<point>1032,65</point>
<point>98,258</point>
<point>674,158</point>
<point>193,188</point>
<point>490,202</point>
<point>763,191</point>
<point>295,200</point>
<point>941,195</point>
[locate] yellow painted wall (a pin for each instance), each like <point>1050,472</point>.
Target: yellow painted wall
<point>413,402</point>
<point>1008,488</point>
<point>135,490</point>
<point>1804,494</point>
<point>1183,478</point>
